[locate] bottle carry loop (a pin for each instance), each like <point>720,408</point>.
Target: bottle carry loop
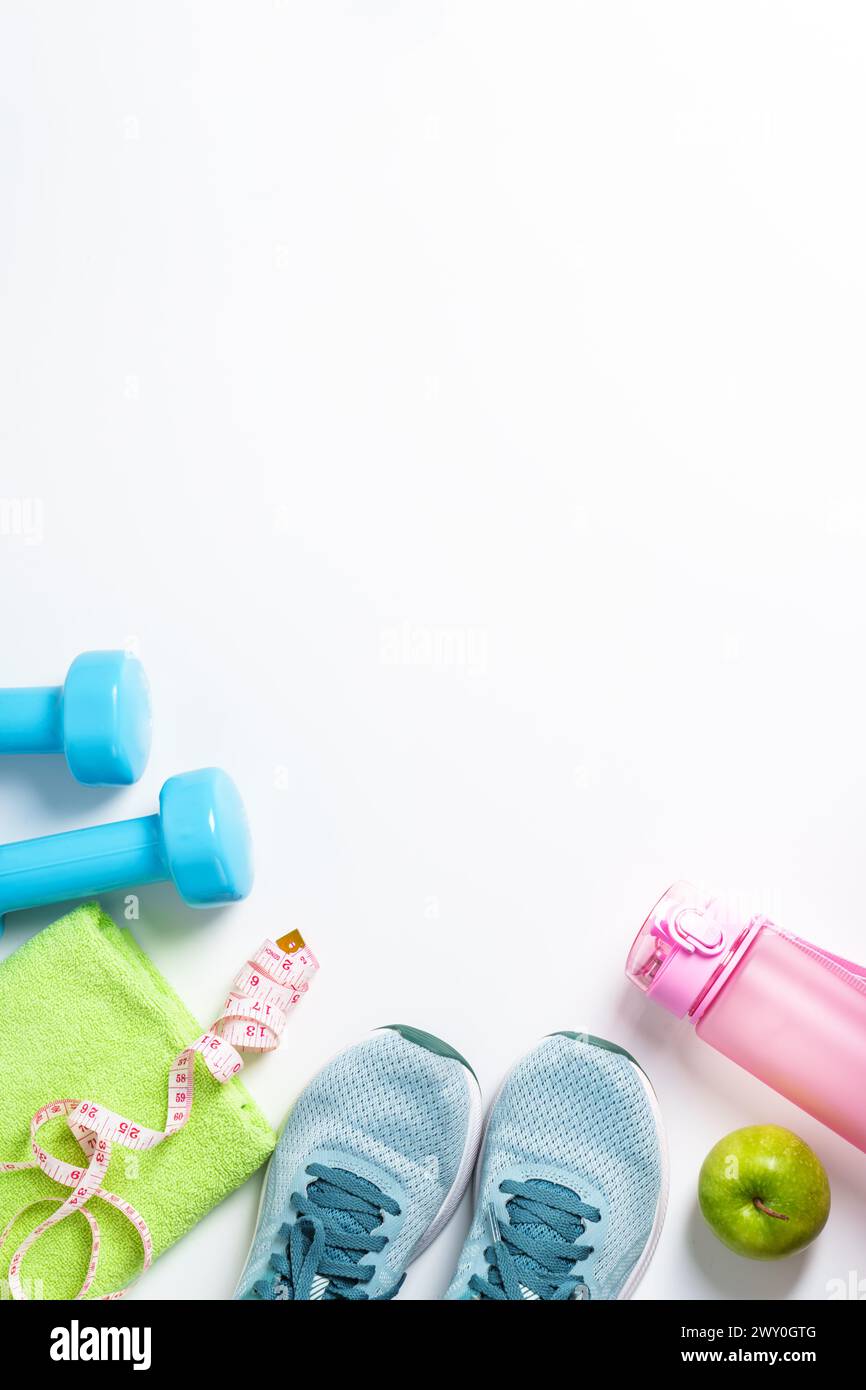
<point>847,970</point>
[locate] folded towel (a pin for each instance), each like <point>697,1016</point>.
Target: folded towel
<point>85,1015</point>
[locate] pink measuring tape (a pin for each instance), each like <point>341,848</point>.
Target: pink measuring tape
<point>253,1018</point>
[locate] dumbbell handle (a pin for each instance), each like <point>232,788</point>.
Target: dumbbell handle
<point>31,719</point>
<point>81,863</point>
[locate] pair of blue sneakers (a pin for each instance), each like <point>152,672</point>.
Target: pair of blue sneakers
<point>570,1187</point>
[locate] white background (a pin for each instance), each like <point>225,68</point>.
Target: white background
<point>460,406</point>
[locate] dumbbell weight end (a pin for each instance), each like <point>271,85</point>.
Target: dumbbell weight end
<point>200,840</point>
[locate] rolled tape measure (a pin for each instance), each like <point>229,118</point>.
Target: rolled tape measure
<point>265,990</point>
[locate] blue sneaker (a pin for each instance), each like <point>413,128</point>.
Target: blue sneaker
<point>571,1187</point>
<point>371,1164</point>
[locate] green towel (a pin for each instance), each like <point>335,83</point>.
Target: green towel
<point>84,1014</point>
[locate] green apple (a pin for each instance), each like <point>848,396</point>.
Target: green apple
<point>764,1192</point>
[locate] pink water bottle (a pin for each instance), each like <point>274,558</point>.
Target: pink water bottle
<point>791,1013</point>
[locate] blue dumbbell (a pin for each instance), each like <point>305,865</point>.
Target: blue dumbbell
<point>100,719</point>
<point>200,840</point>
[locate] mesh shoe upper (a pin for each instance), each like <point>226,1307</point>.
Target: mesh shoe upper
<point>578,1116</point>
<point>393,1114</point>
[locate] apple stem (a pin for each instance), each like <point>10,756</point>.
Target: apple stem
<point>768,1211</point>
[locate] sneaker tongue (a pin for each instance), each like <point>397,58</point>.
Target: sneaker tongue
<point>349,1222</point>
<point>529,1271</point>
<point>352,1222</point>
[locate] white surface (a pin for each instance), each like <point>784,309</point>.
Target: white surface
<point>460,405</point>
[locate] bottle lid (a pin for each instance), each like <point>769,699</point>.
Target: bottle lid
<point>681,948</point>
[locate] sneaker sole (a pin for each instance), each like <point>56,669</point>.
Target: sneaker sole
<point>649,1249</point>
